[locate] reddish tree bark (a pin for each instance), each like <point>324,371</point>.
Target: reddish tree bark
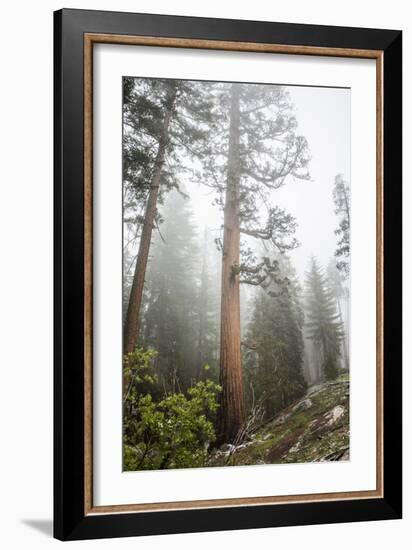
<point>232,408</point>
<point>131,325</point>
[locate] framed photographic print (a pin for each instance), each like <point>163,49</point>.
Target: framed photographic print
<point>227,274</point>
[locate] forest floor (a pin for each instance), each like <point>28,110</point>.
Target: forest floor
<point>314,429</point>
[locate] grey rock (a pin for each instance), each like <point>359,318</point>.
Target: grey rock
<point>334,415</point>
<point>335,456</point>
<point>295,447</point>
<point>303,405</point>
<point>346,455</point>
<point>280,420</point>
<point>227,448</point>
<point>315,389</point>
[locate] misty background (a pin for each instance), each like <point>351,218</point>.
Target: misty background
<point>323,117</point>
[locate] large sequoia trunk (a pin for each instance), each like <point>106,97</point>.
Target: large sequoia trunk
<point>232,408</point>
<point>131,326</point>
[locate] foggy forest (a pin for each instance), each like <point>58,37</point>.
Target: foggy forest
<point>236,274</point>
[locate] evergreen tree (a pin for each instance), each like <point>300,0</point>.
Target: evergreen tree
<point>340,292</point>
<point>170,317</point>
<point>341,198</point>
<point>274,349</point>
<point>323,326</point>
<point>207,312</point>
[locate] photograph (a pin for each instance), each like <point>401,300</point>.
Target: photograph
<point>227,273</point>
<point>236,273</point>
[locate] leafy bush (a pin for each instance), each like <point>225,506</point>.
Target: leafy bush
<point>138,372</point>
<point>174,432</point>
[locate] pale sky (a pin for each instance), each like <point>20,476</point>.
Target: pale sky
<point>323,116</point>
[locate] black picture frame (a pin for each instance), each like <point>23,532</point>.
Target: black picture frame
<point>70,520</point>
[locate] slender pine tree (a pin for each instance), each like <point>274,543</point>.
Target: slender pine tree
<point>207,304</point>
<point>169,318</point>
<point>341,198</point>
<point>323,326</point>
<point>273,348</point>
<point>340,291</point>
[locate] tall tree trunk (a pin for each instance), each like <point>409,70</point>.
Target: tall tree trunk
<point>131,326</point>
<point>232,407</point>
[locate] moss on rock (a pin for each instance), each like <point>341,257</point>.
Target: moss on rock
<point>314,429</point>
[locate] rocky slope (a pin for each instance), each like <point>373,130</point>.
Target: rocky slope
<point>315,429</point>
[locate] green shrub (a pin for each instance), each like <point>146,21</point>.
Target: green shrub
<point>174,432</point>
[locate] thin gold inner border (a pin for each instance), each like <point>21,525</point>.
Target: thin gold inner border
<point>89,40</point>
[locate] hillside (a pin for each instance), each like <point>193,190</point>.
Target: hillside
<point>314,429</point>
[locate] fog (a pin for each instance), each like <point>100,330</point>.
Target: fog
<point>185,258</point>
<point>323,116</point>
